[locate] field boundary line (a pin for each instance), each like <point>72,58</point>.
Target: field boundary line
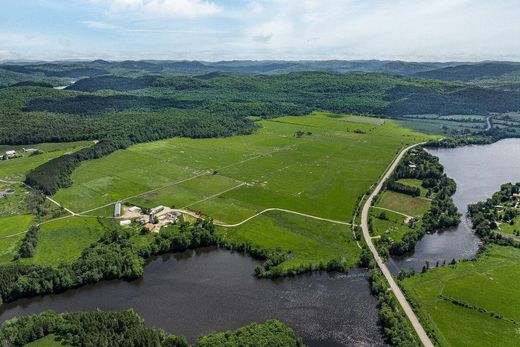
<point>405,305</point>
<point>214,195</point>
<point>282,210</point>
<point>204,173</point>
<point>389,210</point>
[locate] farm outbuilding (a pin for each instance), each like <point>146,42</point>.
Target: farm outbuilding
<point>117,209</point>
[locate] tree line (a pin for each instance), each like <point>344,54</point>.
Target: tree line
<point>127,328</point>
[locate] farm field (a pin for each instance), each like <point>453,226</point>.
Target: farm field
<point>463,316</point>
<point>277,169</point>
<point>15,169</point>
<point>408,205</point>
<point>310,241</point>
<point>321,173</point>
<point>63,240</point>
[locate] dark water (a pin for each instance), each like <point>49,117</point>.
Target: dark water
<point>479,172</point>
<point>197,293</point>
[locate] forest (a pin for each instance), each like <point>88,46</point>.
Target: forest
<point>119,111</point>
<point>122,329</point>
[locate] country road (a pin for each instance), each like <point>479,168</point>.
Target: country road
<point>382,266</point>
<point>488,121</point>
<point>282,210</point>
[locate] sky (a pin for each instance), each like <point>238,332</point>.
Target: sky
<point>411,30</point>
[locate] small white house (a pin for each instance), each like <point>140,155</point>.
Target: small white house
<point>125,222</point>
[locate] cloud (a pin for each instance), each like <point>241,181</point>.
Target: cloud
<point>397,29</point>
<point>99,25</point>
<point>162,8</point>
<point>263,37</point>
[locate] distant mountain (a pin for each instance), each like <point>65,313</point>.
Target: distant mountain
<point>469,72</point>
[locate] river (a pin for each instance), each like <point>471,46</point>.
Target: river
<point>479,172</point>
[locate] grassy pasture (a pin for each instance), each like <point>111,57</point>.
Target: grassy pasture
<point>489,288</point>
<point>9,248</point>
<point>280,170</point>
<point>403,203</point>
<point>15,169</point>
<point>64,240</point>
<point>322,173</point>
<point>14,224</point>
<point>310,241</point>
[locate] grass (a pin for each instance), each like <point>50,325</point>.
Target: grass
<point>9,248</point>
<point>15,169</point>
<point>510,229</point>
<point>403,203</point>
<point>64,240</point>
<point>15,203</point>
<point>413,182</point>
<point>496,274</point>
<point>309,241</point>
<point>393,226</point>
<point>230,179</point>
<point>14,224</point>
<point>47,341</point>
<point>280,169</point>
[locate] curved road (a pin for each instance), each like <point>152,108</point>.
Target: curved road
<point>382,266</point>
<point>281,210</point>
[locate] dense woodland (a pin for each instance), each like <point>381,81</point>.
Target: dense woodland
<point>123,329</point>
<point>442,214</point>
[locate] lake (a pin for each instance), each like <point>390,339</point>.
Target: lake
<point>479,172</point>
<point>207,290</point>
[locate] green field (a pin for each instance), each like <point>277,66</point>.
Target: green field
<point>63,240</point>
<point>411,206</point>
<point>393,226</point>
<point>15,169</point>
<point>321,173</point>
<point>487,291</point>
<point>308,240</point>
<point>14,224</point>
<point>278,169</point>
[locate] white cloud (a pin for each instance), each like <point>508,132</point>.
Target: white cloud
<point>400,29</point>
<point>162,8</point>
<point>99,25</point>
